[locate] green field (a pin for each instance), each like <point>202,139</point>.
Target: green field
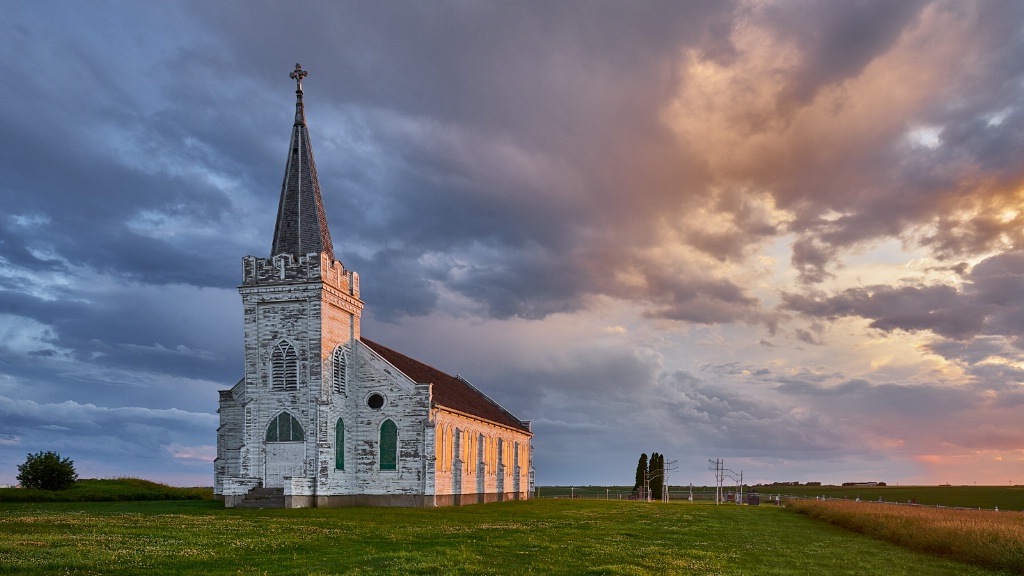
<point>544,536</point>
<point>987,497</point>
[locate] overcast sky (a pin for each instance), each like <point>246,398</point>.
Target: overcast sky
<point>789,234</point>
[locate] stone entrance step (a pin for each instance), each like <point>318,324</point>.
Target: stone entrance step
<point>263,498</point>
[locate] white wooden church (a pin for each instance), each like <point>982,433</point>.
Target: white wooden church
<point>325,417</point>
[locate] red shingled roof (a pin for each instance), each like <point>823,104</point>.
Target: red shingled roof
<point>449,391</point>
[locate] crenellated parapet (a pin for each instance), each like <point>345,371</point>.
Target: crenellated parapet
<point>287,268</point>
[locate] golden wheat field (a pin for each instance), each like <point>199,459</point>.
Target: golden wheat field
<point>983,537</point>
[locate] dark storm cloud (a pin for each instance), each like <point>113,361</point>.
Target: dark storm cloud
<point>911,308</point>
<point>837,40</point>
<point>635,402</point>
<point>548,89</point>
<point>991,302</point>
<point>598,379</point>
<point>811,259</point>
<point>591,406</point>
<point>726,418</point>
<point>398,288</point>
<point>489,66</point>
<point>87,207</point>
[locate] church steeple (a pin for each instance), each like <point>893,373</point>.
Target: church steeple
<point>301,221</point>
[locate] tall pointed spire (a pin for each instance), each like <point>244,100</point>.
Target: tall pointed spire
<point>301,222</point>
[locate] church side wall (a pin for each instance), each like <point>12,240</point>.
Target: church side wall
<point>477,461</point>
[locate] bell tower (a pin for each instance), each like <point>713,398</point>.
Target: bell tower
<point>301,306</point>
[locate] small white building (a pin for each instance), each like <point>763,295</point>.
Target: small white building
<point>325,417</point>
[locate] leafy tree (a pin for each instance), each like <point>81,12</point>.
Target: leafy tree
<point>641,469</point>
<point>46,471</point>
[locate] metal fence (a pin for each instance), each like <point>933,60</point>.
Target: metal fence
<point>706,494</point>
<point>674,494</point>
<point>783,497</point>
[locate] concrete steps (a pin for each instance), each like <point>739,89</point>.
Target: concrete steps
<point>263,498</point>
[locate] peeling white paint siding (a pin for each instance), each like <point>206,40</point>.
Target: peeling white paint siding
<point>471,462</point>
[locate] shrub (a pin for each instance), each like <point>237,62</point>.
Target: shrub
<point>46,471</point>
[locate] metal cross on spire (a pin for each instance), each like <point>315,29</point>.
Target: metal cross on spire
<point>298,74</point>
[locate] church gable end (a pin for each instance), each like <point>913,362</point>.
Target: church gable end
<point>449,391</point>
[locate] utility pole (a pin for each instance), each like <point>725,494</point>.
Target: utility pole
<point>669,467</point>
<point>720,473</point>
<point>717,463</point>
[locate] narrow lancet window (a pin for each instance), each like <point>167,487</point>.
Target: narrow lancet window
<point>388,446</point>
<point>340,369</point>
<point>339,445</point>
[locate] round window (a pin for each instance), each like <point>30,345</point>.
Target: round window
<point>375,401</point>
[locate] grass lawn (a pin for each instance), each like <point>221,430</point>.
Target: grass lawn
<point>534,537</point>
<point>988,497</point>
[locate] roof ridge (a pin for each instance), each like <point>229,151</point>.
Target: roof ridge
<point>453,392</point>
<point>488,398</point>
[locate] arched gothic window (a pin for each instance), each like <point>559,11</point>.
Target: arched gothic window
<point>451,450</point>
<point>481,454</point>
<point>441,449</point>
<point>471,455</point>
<point>388,446</point>
<point>340,369</point>
<point>458,448</point>
<point>284,367</point>
<point>285,428</point>
<point>339,445</point>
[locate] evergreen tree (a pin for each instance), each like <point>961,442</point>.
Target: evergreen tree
<point>656,473</point>
<point>641,469</point>
<point>652,472</point>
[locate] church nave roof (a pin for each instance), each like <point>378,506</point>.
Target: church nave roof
<point>449,391</point>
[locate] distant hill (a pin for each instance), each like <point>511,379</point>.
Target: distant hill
<point>116,490</point>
